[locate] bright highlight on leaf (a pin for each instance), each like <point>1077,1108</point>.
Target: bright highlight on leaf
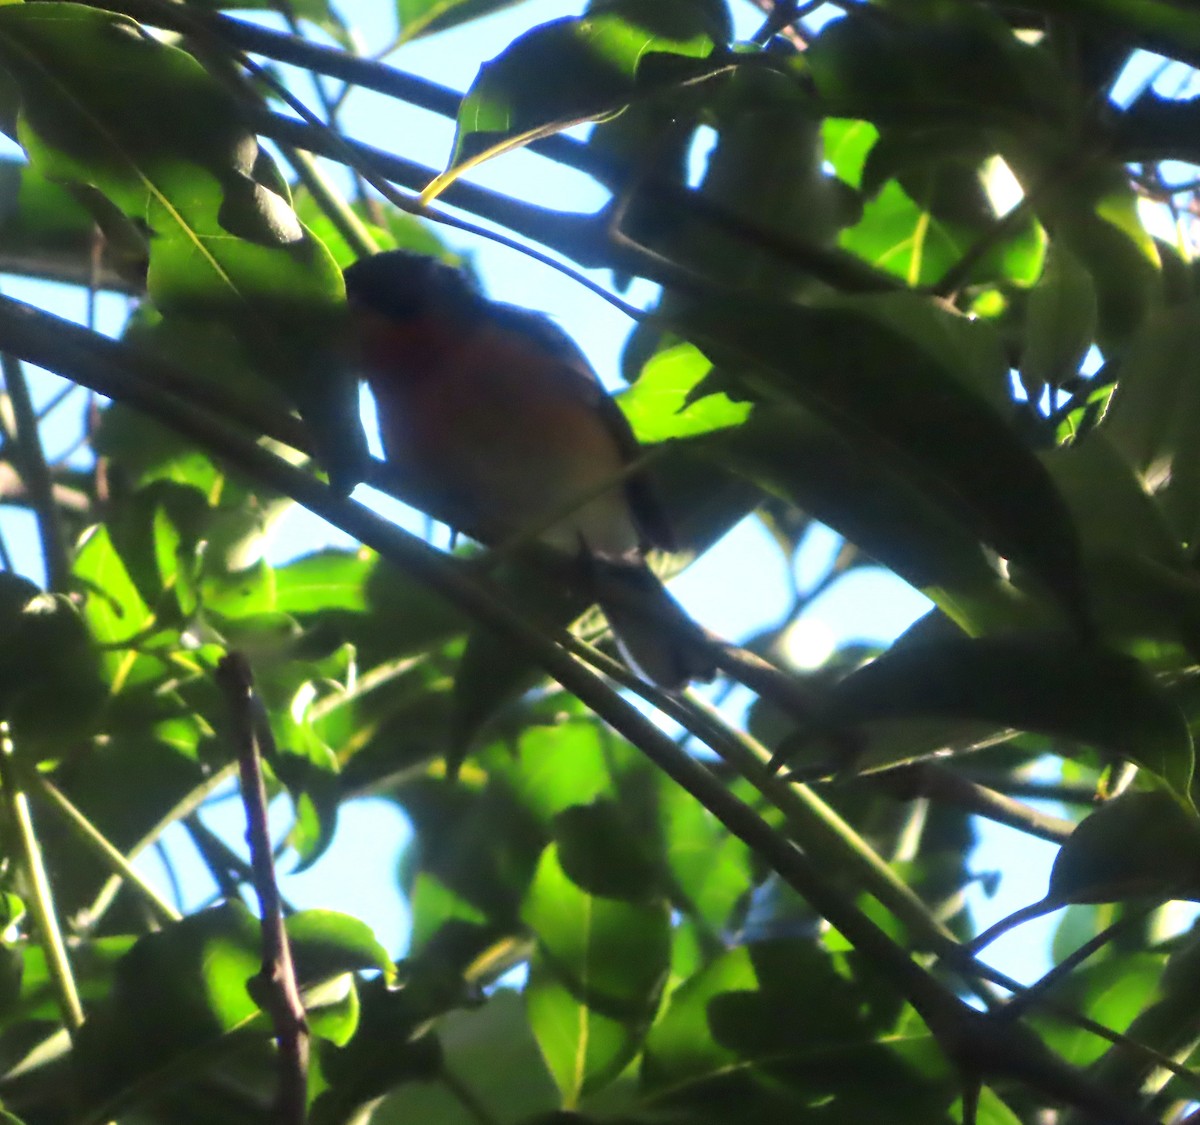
<point>573,70</point>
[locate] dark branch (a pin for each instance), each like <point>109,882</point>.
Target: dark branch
<point>275,989</point>
<point>927,779</point>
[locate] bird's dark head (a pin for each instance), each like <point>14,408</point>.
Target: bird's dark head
<point>400,284</point>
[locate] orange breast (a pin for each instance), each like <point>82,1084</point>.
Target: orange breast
<point>504,428</point>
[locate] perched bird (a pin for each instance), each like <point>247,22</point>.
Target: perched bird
<point>494,414</point>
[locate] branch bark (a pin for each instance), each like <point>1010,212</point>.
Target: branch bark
<point>275,988</point>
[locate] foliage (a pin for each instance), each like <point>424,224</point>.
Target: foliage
<point>995,401</point>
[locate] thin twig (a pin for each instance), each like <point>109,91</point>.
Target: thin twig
<point>37,475</point>
<point>39,894</point>
<point>88,917</point>
<point>928,779</point>
<point>275,989</point>
<point>1019,1005</point>
<point>56,400</point>
<point>1003,228</point>
<point>1067,793</point>
<point>100,845</point>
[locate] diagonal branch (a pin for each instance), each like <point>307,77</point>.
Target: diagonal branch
<point>982,1047</point>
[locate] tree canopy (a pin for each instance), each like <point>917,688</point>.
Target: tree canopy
<point>931,285</point>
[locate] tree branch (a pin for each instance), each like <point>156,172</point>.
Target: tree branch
<point>980,1045</point>
<point>928,779</point>
<point>37,475</point>
<point>275,988</point>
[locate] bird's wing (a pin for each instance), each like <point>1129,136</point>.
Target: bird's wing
<point>644,500</point>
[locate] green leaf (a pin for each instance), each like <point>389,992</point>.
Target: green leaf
<point>476,849</point>
<point>196,970</point>
<point>492,1049</point>
<point>660,405</point>
<point>556,765</point>
<point>1031,683</point>
<point>572,70</point>
<point>324,581</point>
<point>51,690</point>
<point>491,673</point>
<point>681,1047</point>
<point>168,146</point>
<point>930,212</point>
<point>1109,502</point>
<point>148,451</point>
<point>784,1025</point>
<point>115,612</point>
<point>327,947</point>
<point>1141,845</point>
<point>848,145</point>
<point>793,454</point>
<point>158,533</point>
<point>767,168</point>
<point>1096,217</point>
<point>596,977</point>
<point>1112,992</point>
<point>612,953</point>
<point>583,1048</point>
<point>391,1047</point>
<point>326,943</point>
<point>599,853</point>
<point>1060,322</point>
<point>899,233</point>
<point>936,63</point>
<point>425,17</point>
<point>1152,418</point>
<point>710,868</point>
<point>44,221</point>
<point>898,401</point>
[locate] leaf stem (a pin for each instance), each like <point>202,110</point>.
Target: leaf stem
<point>41,898</point>
<point>101,846</point>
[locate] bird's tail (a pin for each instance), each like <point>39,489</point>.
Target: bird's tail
<point>654,634</point>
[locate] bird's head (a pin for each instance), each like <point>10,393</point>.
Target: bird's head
<point>402,285</point>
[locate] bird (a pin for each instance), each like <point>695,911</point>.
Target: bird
<point>491,412</point>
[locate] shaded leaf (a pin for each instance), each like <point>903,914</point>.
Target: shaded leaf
<point>1032,683</point>
<point>492,1050</point>
<point>51,690</point>
<point>197,971</point>
<point>598,970</point>
<point>168,146</point>
<point>1141,845</point>
<point>780,1025</point>
<point>1060,322</point>
<point>1152,418</point>
<point>897,402</point>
